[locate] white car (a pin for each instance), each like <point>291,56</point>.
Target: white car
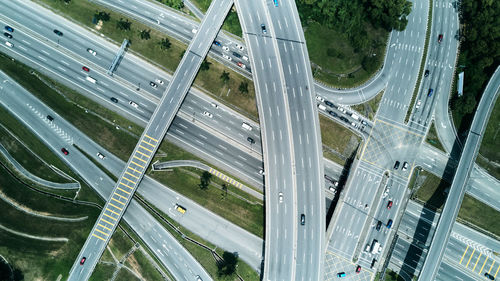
<point>225,48</point>
<point>261,172</point>
<point>133,104</point>
<point>226,57</point>
<point>245,58</point>
<point>281,197</point>
<point>214,105</point>
<point>341,109</point>
<point>208,114</point>
<point>159,81</point>
<point>320,99</point>
<point>100,155</point>
<point>239,47</point>
<point>92,52</point>
<point>8,44</point>
<point>419,102</point>
<point>194,30</point>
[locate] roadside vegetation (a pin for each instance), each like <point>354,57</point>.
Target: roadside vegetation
<point>392,276</point>
<point>433,139</point>
<point>369,108</point>
<point>339,143</point>
<point>489,153</point>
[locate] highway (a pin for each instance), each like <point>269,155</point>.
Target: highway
<point>149,142</point>
<point>462,174</point>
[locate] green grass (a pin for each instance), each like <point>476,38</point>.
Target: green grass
<point>120,244</point>
<point>232,23</point>
<point>242,213</point>
<point>431,190</point>
<point>138,262</point>
<point>479,214</point>
<point>392,276</point>
<point>106,256</point>
<point>338,138</point>
<point>369,108</point>
<point>335,70</point>
<point>489,154</point>
<point>102,272</point>
<point>125,275</point>
<point>432,138</point>
<point>202,4</point>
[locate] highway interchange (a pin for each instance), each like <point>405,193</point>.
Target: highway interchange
<point>389,118</point>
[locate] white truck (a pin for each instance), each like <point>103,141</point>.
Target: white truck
<point>354,116</point>
<point>376,247</point>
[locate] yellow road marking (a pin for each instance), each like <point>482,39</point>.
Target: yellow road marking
<point>112,224</point>
<point>113,212</point>
<point>93,234</point>
<point>132,175</point>
<point>497,271</point>
<point>102,232</point>
<point>116,207</point>
<point>145,148</point>
<point>140,159</point>
<point>481,270</point>
<point>148,143</point>
<point>151,138</point>
<point>128,180</point>
<point>109,216</point>
<point>464,254</point>
<point>491,266</point>
<point>142,153</point>
<point>123,190</point>
<point>126,185</point>
<point>136,164</point>
<point>476,262</point>
<point>121,196</point>
<point>134,170</point>
<point>117,201</point>
<point>470,258</point>
<point>103,226</point>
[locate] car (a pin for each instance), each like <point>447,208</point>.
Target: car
<point>9,29</point>
<point>419,102</point>
<point>440,38</point>
<point>363,122</point>
<point>180,209</point>
<point>389,204</point>
<point>429,94</point>
<point>328,103</point>
<point>341,274</point>
<point>341,109</point>
<point>239,47</point>
<point>275,3</point>
<point>320,99</point>
<point>198,278</point>
<point>245,58</point>
<point>358,269</point>
<point>226,57</point>
<point>353,124</point>
<point>396,165</point>
<point>302,219</point>
<point>194,30</point>
<point>263,28</point>
<point>386,192</point>
<point>208,114</point>
<point>59,33</point>
<point>153,84</point>
<point>225,48</point>
<point>389,224</point>
<point>489,276</point>
<point>133,104</point>
<point>82,261</point>
<point>50,118</point>
<point>213,104</point>
<point>374,261</point>
<point>159,81</point>
<point>85,68</point>
<point>217,43</point>
<point>92,52</point>
<point>8,44</point>
<point>426,73</point>
<point>113,99</point>
<point>100,155</point>
<point>7,35</point>
<point>261,172</point>
<point>236,55</point>
<point>379,224</point>
<point>240,64</point>
<point>66,152</point>
<point>250,140</point>
<point>331,188</point>
<point>333,114</point>
<point>405,166</point>
<point>344,119</point>
<point>280,195</point>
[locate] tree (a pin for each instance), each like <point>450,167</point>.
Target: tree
<point>182,54</point>
<point>165,44</point>
<point>145,34</point>
<point>370,63</point>
<point>123,24</point>
<point>224,76</point>
<point>205,180</point>
<point>205,65</point>
<point>227,266</point>
<point>102,16</point>
<point>243,88</point>
<point>224,188</point>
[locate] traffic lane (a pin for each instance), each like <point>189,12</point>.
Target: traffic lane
<point>448,271</point>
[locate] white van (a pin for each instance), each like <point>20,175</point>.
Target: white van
<point>322,107</point>
<point>91,80</point>
<point>246,126</point>
<point>354,116</point>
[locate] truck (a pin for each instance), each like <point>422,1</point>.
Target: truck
<point>376,247</point>
<point>354,116</point>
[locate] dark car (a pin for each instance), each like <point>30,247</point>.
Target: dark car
<point>489,276</point>
<point>344,119</point>
<point>429,94</point>
<point>426,73</point>
<point>263,27</point>
<point>9,29</point>
<point>250,140</point>
<point>7,35</point>
<point>329,103</point>
<point>332,113</point>
<point>59,33</point>
<point>82,261</point>
<point>379,224</point>
<point>85,68</point>
<point>236,55</point>
<point>50,118</point>
<point>341,274</point>
<point>389,205</point>
<point>302,219</point>
<point>389,224</point>
<point>64,151</point>
<point>440,38</point>
<point>358,269</point>
<point>217,43</point>
<point>396,165</point>
<point>115,100</point>
<point>153,84</point>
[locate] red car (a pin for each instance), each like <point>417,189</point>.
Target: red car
<point>389,205</point>
<point>358,269</point>
<point>64,151</point>
<point>440,38</point>
<point>83,260</point>
<point>85,68</point>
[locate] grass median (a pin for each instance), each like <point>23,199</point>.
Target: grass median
<point>433,139</point>
<point>339,143</point>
